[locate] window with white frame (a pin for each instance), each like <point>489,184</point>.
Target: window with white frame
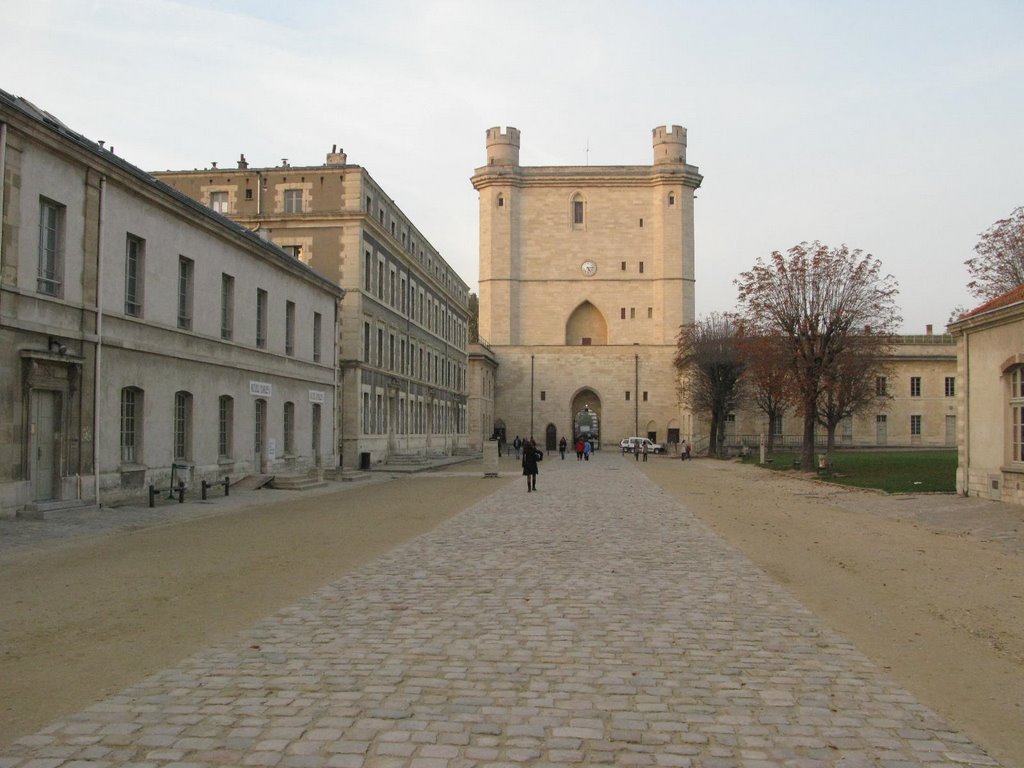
<point>293,201</point>
<point>225,426</point>
<point>51,248</point>
<point>1017,415</point>
<point>915,386</point>
<point>915,425</point>
<point>182,426</point>
<point>131,412</point>
<point>289,328</point>
<point>317,332</point>
<point>133,266</point>
<point>950,386</point>
<point>186,277</point>
<point>219,202</point>
<point>261,318</point>
<point>227,306</point>
<point>289,428</point>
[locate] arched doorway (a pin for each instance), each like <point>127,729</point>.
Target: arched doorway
<point>499,430</point>
<point>586,416</point>
<point>550,438</point>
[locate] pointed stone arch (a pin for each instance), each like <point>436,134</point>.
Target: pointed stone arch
<point>586,325</point>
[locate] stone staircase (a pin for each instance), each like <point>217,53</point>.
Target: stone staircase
<point>37,510</point>
<point>407,460</point>
<point>297,482</point>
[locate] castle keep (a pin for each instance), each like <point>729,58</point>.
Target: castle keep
<point>586,275</point>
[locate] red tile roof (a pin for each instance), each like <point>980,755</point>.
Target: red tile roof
<point>1010,297</point>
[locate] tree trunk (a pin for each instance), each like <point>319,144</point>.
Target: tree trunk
<point>713,437</point>
<point>831,444</point>
<point>771,432</point>
<point>807,450</point>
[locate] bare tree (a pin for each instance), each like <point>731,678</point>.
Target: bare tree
<point>818,298</point>
<point>999,265</point>
<point>851,386</point>
<point>708,353</point>
<point>769,379</point>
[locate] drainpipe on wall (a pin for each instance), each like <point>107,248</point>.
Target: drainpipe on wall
<point>99,343</point>
<point>336,434</point>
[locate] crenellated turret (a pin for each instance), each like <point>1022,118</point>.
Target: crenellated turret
<point>503,146</point>
<point>669,144</point>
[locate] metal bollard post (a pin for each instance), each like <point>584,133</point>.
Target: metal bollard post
<point>181,492</point>
<point>152,495</point>
<point>204,486</point>
<point>227,486</point>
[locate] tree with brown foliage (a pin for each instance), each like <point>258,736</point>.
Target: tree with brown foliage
<point>999,265</point>
<point>817,299</point>
<point>708,354</point>
<point>769,377</point>
<point>851,386</point>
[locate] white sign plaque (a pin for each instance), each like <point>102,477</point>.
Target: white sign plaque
<point>259,388</point>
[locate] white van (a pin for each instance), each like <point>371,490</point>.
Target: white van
<point>636,444</point>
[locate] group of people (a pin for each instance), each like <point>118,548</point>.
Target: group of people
<point>530,455</point>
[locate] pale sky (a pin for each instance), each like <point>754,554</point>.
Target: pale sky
<point>893,127</point>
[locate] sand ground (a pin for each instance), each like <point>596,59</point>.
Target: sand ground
<point>931,588</point>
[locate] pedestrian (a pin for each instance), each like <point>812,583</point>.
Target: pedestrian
<point>587,450</point>
<point>645,451</point>
<point>530,465</point>
<point>561,447</point>
<point>518,445</point>
<point>501,443</point>
<point>579,449</point>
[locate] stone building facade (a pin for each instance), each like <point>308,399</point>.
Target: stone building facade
<point>403,343</point>
<point>990,362</point>
<point>139,331</point>
<point>915,407</point>
<point>586,274</point>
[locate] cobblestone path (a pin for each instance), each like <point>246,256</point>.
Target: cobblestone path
<point>594,622</point>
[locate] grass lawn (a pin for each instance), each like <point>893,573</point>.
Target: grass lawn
<point>890,471</point>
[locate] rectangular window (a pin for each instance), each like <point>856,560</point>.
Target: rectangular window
<point>577,211</point>
<point>622,313</point>
<point>219,202</point>
<point>543,395</point>
<point>225,426</point>
<point>380,279</point>
<point>186,269</point>
<point>645,397</point>
<point>1017,415</point>
<point>130,405</point>
<point>289,328</point>
<point>133,264</point>
<point>248,194</point>
<point>182,425</point>
<point>632,313</point>
<point>392,293</point>
<point>650,313</point>
<point>951,386</point>
<point>293,201</point>
<point>295,251</point>
<point>289,428</point>
<point>380,347</point>
<point>51,248</point>
<point>915,386</point>
<point>227,307</point>
<point>627,395</point>
<point>366,413</point>
<point>366,342</point>
<point>880,386</point>
<point>261,318</point>
<point>641,267</point>
<point>915,426</point>
<point>317,330</point>
<point>367,272</point>
<point>622,266</point>
<point>391,351</point>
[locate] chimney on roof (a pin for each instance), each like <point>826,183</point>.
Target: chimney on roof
<point>213,164</point>
<point>336,157</point>
<point>928,329</point>
<point>284,162</point>
<point>242,162</point>
<point>101,142</point>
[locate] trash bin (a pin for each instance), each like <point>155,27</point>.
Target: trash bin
<point>364,461</point>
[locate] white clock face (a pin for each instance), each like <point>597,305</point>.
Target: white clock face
<point>588,268</point>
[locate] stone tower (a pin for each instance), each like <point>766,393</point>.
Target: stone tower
<point>586,274</point>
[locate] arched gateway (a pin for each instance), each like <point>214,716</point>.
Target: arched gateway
<point>586,416</point>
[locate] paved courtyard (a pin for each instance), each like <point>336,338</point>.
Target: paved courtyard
<point>595,622</point>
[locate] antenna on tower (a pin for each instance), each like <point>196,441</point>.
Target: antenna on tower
<point>588,151</point>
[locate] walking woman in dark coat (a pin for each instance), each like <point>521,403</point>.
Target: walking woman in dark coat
<point>530,464</point>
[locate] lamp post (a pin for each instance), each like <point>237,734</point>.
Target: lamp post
<point>531,397</point>
<point>636,395</point>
